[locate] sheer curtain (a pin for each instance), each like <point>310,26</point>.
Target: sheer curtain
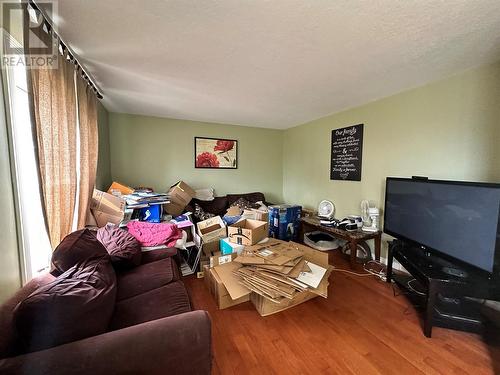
<point>87,126</point>
<point>54,108</point>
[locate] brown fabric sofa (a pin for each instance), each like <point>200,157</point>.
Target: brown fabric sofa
<point>153,329</point>
<point>219,205</point>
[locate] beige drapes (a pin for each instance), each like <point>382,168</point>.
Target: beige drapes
<point>87,119</point>
<point>64,116</point>
<point>54,106</point>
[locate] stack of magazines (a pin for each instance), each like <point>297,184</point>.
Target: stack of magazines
<point>141,199</point>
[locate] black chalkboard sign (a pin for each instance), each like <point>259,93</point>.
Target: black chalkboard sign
<point>347,152</point>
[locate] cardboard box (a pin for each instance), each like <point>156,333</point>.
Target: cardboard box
<point>233,211</point>
<point>226,273</point>
<point>211,229</point>
<point>204,261</point>
<point>179,195</point>
<point>227,247</point>
<point>210,248</point>
<point>219,259</point>
<point>107,208</point>
<point>206,278</point>
<point>174,209</point>
<point>214,284</point>
<point>266,307</point>
<point>256,215</point>
<point>118,189</point>
<point>247,232</point>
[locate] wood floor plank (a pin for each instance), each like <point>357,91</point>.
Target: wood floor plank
<point>416,347</point>
<point>362,328</point>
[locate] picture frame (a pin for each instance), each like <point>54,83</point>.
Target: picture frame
<point>215,153</point>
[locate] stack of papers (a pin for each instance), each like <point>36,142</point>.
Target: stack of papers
<point>140,199</point>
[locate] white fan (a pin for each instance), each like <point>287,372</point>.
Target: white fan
<point>370,215</point>
<point>326,209</point>
<point>365,205</point>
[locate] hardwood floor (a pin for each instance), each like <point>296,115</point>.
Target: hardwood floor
<point>362,328</point>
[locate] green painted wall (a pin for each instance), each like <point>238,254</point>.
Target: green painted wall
<point>103,177</point>
<point>157,152</point>
<point>449,129</point>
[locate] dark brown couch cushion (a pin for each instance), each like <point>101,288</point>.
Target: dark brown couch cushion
<point>76,248</point>
<point>154,255</point>
<point>146,277</point>
<point>168,300</point>
<point>78,304</point>
<point>124,249</point>
<point>9,342</point>
<point>218,206</point>
<point>251,197</point>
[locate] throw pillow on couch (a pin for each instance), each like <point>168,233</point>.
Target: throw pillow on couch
<point>77,304</point>
<point>77,247</point>
<point>124,249</point>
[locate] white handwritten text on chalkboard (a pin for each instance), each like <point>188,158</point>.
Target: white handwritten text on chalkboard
<point>347,151</point>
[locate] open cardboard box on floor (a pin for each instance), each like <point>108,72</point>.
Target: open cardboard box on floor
<point>216,287</point>
<point>290,265</point>
<point>219,259</point>
<point>266,307</point>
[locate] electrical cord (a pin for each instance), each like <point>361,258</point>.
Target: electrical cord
<point>380,273</point>
<point>382,276</point>
<point>351,272</point>
<point>413,289</point>
<point>369,272</point>
<point>410,308</point>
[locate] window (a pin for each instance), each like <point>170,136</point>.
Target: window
<point>37,250</point>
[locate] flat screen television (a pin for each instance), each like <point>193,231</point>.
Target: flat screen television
<point>457,219</point>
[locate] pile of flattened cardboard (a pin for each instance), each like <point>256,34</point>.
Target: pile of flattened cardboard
<point>277,274</point>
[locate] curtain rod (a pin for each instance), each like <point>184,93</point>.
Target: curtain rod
<point>72,56</point>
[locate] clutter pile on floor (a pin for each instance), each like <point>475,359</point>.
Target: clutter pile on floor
<point>274,275</point>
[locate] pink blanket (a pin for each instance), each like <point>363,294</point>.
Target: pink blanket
<point>154,234</point>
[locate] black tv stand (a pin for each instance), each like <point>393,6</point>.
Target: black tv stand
<point>449,295</point>
<point>457,272</point>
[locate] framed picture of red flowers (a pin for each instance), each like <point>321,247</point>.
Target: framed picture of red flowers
<point>215,153</point>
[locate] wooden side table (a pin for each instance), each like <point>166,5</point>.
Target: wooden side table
<point>308,224</point>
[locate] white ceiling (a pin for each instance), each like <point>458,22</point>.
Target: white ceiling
<point>271,63</point>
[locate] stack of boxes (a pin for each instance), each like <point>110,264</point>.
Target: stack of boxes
<point>210,232</point>
<point>230,242</point>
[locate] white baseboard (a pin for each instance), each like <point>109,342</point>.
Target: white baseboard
<point>395,264</point>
